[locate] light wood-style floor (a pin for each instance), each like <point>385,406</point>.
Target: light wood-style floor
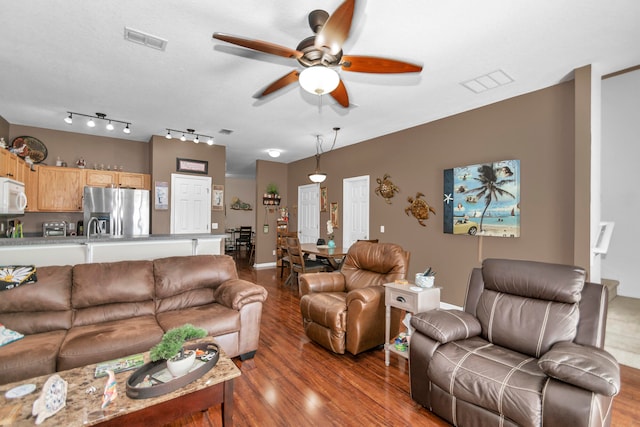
<point>294,382</point>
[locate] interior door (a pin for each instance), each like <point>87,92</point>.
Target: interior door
<point>355,194</point>
<point>309,213</point>
<point>190,204</point>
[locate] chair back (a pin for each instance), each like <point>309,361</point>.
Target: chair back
<point>244,235</point>
<point>295,253</point>
<point>374,264</point>
<point>526,306</point>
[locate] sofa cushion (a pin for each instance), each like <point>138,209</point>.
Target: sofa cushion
<point>216,319</point>
<point>88,344</point>
<point>104,292</point>
<point>188,281</point>
<point>39,307</point>
<point>492,377</point>
<point>373,264</point>
<point>528,325</point>
<point>32,356</point>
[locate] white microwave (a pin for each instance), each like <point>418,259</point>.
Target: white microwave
<point>13,200</point>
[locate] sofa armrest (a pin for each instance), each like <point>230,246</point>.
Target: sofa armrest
<point>446,325</point>
<point>591,368</point>
<point>321,282</point>
<point>236,293</point>
<point>366,295</point>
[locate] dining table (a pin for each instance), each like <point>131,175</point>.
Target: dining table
<point>334,256</point>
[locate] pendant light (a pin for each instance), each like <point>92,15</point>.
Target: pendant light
<point>317,176</point>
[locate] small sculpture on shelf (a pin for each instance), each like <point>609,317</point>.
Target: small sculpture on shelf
<point>81,163</point>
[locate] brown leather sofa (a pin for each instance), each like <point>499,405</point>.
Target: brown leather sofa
<point>527,350</point>
<point>87,313</point>
<point>344,310</point>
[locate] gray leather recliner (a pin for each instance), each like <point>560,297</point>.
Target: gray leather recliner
<point>526,351</point>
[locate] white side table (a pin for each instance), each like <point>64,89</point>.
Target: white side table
<point>408,298</point>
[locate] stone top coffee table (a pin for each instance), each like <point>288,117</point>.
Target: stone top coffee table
<point>83,409</point>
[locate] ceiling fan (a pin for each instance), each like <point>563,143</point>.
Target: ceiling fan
<point>321,53</point>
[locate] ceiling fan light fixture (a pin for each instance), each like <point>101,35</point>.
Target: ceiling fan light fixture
<point>319,79</point>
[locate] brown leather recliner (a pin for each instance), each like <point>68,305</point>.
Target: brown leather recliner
<point>345,309</point>
<point>527,350</point>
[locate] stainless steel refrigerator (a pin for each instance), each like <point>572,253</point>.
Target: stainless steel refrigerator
<point>117,211</point>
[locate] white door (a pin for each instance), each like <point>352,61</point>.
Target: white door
<point>355,195</point>
<point>309,213</point>
<point>190,204</point>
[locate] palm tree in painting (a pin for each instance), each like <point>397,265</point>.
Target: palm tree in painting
<point>490,186</point>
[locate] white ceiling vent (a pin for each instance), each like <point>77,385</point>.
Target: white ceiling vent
<point>225,131</point>
<point>145,39</point>
<point>488,81</point>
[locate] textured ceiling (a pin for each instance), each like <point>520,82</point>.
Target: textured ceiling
<point>71,55</point>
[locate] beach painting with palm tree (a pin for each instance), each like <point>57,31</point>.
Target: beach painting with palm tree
<point>483,199</point>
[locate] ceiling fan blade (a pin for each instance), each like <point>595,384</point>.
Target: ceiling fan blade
<point>340,95</point>
<point>372,64</point>
<point>336,30</point>
<point>286,80</point>
<point>259,45</point>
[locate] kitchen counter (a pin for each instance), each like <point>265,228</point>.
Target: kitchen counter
<point>41,251</point>
<point>69,240</point>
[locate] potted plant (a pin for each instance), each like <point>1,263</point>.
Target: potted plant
<point>272,189</point>
<point>179,360</point>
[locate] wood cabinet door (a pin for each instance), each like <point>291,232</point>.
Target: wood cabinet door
<point>134,180</point>
<point>4,162</point>
<point>31,189</point>
<point>9,164</point>
<point>60,189</point>
<point>96,178</point>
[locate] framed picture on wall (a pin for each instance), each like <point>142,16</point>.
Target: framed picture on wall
<point>323,199</point>
<point>217,198</point>
<point>162,196</point>
<point>334,214</point>
<point>193,166</point>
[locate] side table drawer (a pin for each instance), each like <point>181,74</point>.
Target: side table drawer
<point>401,299</point>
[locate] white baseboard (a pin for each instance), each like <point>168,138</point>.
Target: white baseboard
<point>265,265</point>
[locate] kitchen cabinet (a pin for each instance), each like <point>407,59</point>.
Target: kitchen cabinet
<point>60,189</point>
<point>99,178</point>
<point>9,164</point>
<point>31,187</point>
<point>134,180</point>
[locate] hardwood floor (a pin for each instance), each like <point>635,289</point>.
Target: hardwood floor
<point>294,382</point>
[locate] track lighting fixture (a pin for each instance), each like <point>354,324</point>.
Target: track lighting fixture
<point>100,116</point>
<point>197,137</point>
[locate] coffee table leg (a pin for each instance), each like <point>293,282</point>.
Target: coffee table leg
<point>227,404</point>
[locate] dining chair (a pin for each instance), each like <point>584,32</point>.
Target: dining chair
<point>299,264</point>
<point>244,238</point>
<point>282,255</point>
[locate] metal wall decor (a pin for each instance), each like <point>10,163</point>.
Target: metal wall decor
<point>419,208</point>
<point>386,189</point>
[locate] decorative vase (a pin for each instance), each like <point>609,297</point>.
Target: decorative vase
<point>178,368</point>
<point>331,244</point>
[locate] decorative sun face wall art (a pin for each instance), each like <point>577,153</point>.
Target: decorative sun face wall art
<point>483,199</point>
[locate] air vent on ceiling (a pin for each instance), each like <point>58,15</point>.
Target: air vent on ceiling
<point>145,39</point>
<point>488,81</point>
<point>225,131</point>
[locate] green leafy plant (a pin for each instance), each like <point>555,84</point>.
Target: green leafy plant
<point>272,188</point>
<point>171,344</point>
